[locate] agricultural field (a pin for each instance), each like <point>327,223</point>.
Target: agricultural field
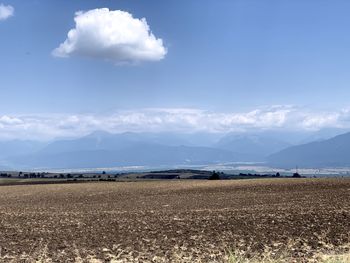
<point>175,220</point>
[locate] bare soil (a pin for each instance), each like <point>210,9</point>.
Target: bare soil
<point>172,220</point>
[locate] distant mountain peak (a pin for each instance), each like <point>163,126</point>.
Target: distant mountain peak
<point>333,152</point>
<point>99,133</point>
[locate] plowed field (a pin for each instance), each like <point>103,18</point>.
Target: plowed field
<point>172,220</point>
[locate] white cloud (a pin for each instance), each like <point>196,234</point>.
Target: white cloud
<point>6,11</point>
<point>7,120</point>
<point>113,36</point>
<point>44,127</point>
<point>315,122</point>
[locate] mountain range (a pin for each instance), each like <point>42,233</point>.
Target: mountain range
<point>103,149</point>
<point>333,152</point>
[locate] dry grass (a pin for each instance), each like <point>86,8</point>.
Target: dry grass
<point>232,257</point>
<point>241,257</point>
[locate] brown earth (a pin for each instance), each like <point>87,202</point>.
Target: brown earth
<point>173,220</point>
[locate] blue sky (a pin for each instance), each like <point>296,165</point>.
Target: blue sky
<point>224,58</point>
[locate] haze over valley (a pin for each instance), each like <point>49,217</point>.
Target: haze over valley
<point>101,149</point>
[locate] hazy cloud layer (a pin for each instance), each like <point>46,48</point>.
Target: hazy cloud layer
<point>6,11</point>
<point>113,36</point>
<point>174,120</point>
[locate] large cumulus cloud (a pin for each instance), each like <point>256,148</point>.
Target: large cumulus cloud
<point>113,36</point>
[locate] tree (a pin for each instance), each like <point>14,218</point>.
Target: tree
<point>214,176</point>
<point>296,175</point>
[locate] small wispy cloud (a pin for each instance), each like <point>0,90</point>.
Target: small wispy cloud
<point>114,36</point>
<point>45,127</point>
<point>7,120</point>
<point>6,11</point>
